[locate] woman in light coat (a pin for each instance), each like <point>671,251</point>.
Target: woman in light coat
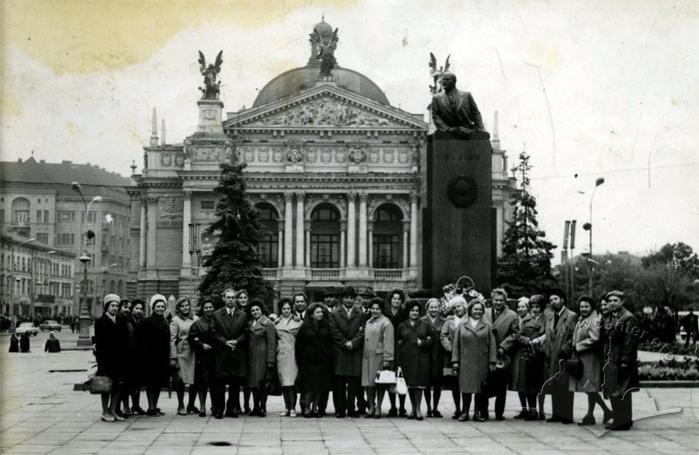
<point>287,327</point>
<point>262,356</point>
<point>377,355</point>
<point>457,308</point>
<point>588,348</point>
<point>182,354</point>
<point>474,354</point>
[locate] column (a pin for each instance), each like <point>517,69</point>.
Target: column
<point>413,230</point>
<point>288,230</point>
<point>343,229</point>
<point>362,230</point>
<point>152,251</point>
<point>186,221</point>
<point>299,230</point>
<point>370,234</point>
<point>142,239</point>
<point>406,229</point>
<point>351,236</point>
<point>280,248</point>
<point>308,245</point>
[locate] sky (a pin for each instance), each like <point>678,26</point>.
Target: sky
<point>588,88</point>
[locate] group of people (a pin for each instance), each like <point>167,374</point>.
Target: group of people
<point>457,343</point>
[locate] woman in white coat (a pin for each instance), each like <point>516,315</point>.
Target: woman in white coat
<point>287,327</point>
<point>182,355</point>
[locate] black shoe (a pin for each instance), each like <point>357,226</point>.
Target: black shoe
<point>523,414</point>
<point>456,415</point>
<point>218,415</point>
<point>607,417</point>
<point>566,421</point>
<point>553,419</point>
<point>151,412</point>
<point>160,413</point>
<point>411,416</point>
<point>233,414</point>
<point>587,420</point>
<point>429,413</point>
<point>192,410</point>
<point>339,415</point>
<point>402,412</point>
<point>626,427</point>
<point>436,414</point>
<point>202,413</point>
<point>254,412</point>
<point>393,412</point>
<point>262,413</point>
<point>542,416</point>
<point>499,417</point>
<point>479,418</point>
<point>138,410</point>
<point>463,417</point>
<point>532,415</point>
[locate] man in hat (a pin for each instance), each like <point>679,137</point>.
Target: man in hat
<point>621,361</point>
<point>363,299</point>
<point>558,347</point>
<point>505,326</point>
<point>346,325</point>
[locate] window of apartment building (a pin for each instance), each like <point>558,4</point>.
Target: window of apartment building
<point>65,216</point>
<point>207,205</point>
<point>20,211</point>
<point>42,237</point>
<point>46,217</point>
<point>2,215</point>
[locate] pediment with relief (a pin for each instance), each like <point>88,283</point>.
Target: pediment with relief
<point>326,111</point>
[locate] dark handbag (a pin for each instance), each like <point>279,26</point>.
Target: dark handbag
<point>271,383</point>
<point>574,367</point>
<point>99,384</point>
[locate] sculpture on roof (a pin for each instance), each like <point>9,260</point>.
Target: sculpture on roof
<point>436,73</point>
<point>326,51</point>
<point>212,85</point>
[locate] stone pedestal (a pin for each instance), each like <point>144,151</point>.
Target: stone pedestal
<point>458,229</point>
<point>210,116</point>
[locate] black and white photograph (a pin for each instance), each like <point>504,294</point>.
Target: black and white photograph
<point>352,226</point>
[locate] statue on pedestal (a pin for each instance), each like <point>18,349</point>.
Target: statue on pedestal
<point>325,47</point>
<point>455,111</point>
<point>211,87</point>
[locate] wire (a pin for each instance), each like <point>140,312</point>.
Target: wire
<point>613,171</point>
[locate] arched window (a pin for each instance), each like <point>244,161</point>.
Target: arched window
<point>325,237</point>
<point>20,211</point>
<point>268,247</point>
<point>387,245</point>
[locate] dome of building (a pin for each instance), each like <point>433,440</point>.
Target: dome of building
<point>296,80</point>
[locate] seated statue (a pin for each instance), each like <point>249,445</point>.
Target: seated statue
<point>455,111</point>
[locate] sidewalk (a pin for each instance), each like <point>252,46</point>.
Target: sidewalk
<point>41,414</point>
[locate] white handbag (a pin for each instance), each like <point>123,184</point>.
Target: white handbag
<point>387,377</point>
<point>401,386</point>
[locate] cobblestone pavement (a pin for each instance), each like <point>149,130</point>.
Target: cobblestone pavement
<point>42,414</point>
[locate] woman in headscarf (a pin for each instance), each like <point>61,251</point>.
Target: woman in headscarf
<point>154,339</point>
<point>262,356</point>
<point>377,354</point>
<point>287,327</point>
<point>414,343</point>
<point>52,344</point>
<point>205,365</point>
<point>314,356</point>
<point>182,354</point>
<point>457,306</point>
<point>110,356</point>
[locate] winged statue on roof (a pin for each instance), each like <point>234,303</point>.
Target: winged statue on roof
<point>326,51</point>
<point>436,73</point>
<point>212,84</point>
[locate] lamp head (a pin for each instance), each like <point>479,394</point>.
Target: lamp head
<point>84,258</point>
<point>75,186</point>
<point>97,199</point>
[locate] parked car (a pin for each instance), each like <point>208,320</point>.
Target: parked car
<point>28,327</point>
<point>50,324</point>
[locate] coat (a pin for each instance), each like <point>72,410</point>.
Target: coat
<point>437,356</point>
<point>154,339</point>
<point>230,363</point>
<point>587,348</point>
<point>507,324</point>
<point>262,350</point>
<point>474,350</point>
<point>52,345</point>
<point>14,343</point>
<point>314,353</point>
<point>620,355</point>
<point>128,333</point>
<point>200,334</point>
<point>108,351</point>
<point>559,344</point>
<point>465,113</point>
<point>181,350</point>
<point>528,365</point>
<point>414,360</point>
<point>378,347</point>
<point>287,368</point>
<point>348,362</point>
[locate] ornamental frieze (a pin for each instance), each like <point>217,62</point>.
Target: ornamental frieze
<point>326,111</point>
<point>170,209</point>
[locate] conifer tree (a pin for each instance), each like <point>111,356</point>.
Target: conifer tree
<point>525,265</point>
<point>234,261</point>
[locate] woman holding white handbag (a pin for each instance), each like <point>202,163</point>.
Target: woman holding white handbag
<point>377,356</point>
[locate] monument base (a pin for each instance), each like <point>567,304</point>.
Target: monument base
<point>458,218</point>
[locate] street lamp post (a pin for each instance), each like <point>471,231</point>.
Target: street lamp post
<point>85,319</point>
<point>588,227</point>
<point>12,282</point>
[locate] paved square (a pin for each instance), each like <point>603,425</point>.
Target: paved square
<point>42,414</point>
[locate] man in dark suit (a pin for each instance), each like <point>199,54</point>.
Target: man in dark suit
<point>505,324</point>
<point>230,335</point>
<point>621,362</point>
<point>346,327</point>
<point>560,326</point>
<point>455,111</point>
